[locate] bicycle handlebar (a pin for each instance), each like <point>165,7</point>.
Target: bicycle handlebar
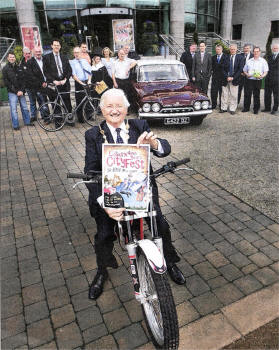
<point>95,174</point>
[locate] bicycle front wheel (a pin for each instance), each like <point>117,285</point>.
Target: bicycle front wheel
<point>158,307</point>
<point>51,116</point>
<point>92,112</point>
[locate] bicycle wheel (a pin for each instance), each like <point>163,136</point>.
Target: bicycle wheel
<point>92,112</point>
<point>51,116</point>
<point>158,308</point>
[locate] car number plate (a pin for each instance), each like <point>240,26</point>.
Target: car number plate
<point>177,120</point>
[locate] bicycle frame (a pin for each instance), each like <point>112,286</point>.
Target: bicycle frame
<point>59,100</point>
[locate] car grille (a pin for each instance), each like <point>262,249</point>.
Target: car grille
<point>176,109</point>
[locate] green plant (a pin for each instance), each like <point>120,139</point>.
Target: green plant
<point>18,53</point>
<point>225,47</point>
<point>189,27</point>
<point>268,51</point>
<point>1,80</point>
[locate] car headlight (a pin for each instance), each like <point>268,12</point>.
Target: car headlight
<point>197,105</point>
<point>205,104</point>
<point>156,107</point>
<point>146,107</point>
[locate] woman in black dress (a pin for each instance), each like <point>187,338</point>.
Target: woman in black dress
<point>99,71</point>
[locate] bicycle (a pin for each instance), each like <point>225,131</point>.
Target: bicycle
<point>53,115</point>
<point>147,265</point>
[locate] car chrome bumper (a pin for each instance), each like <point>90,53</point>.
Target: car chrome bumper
<point>173,115</point>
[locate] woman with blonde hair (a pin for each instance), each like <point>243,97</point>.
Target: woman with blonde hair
<point>107,61</point>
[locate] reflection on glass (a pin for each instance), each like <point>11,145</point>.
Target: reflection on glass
<point>59,4</point>
<point>7,5</point>
<point>121,3</point>
<point>164,72</point>
<point>81,4</point>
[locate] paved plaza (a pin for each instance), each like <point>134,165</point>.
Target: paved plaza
<point>229,255</point>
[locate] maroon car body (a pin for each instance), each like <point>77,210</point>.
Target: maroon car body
<point>162,91</point>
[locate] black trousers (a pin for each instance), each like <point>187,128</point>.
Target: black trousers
<point>202,84</point>
<point>271,87</point>
<point>105,237</point>
<point>216,89</point>
<point>79,95</point>
<point>241,85</point>
<point>252,87</point>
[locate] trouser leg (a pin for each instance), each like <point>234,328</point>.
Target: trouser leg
<point>233,97</point>
<point>225,97</point>
<point>267,97</point>
<point>32,100</point>
<point>256,94</point>
<point>79,95</point>
<point>214,93</point>
<point>24,110</point>
<point>275,90</point>
<point>13,109</point>
<point>248,88</point>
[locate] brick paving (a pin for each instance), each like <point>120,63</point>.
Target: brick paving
<point>228,249</point>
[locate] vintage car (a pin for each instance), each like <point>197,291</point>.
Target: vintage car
<point>162,90</point>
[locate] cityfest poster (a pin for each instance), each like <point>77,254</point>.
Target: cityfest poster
<point>125,178</point>
<point>123,33</point>
<point>30,36</point>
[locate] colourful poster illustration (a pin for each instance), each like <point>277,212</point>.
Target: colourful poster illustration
<point>30,36</point>
<point>123,33</point>
<point>125,176</point>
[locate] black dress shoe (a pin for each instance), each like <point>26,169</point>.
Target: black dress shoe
<point>222,111</point>
<point>265,110</point>
<point>96,287</point>
<point>16,128</point>
<point>273,112</point>
<point>245,110</point>
<point>175,274</point>
<point>30,124</point>
<point>256,112</point>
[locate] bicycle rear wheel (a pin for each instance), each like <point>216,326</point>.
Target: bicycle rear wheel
<point>158,308</point>
<point>51,116</point>
<point>92,112</point>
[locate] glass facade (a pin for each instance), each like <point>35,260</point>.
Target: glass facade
<point>66,19</point>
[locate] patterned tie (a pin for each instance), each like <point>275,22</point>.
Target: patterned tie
<point>59,68</point>
<point>118,138</point>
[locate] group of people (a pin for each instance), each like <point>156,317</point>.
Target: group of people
<point>232,73</point>
<point>35,75</point>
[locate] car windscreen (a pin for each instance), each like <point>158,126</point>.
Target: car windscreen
<point>157,72</point>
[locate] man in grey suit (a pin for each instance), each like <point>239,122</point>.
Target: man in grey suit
<point>201,69</point>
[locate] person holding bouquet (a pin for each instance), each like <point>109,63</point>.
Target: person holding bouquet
<point>255,70</point>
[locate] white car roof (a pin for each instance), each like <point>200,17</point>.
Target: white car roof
<point>143,62</point>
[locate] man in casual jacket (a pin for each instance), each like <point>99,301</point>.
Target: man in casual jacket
<point>27,55</point>
<point>15,84</point>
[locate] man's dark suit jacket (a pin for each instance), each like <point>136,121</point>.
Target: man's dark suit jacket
<point>35,75</point>
<point>93,155</point>
<point>217,68</point>
<point>273,73</point>
<point>244,58</point>
<point>204,67</point>
<point>187,59</point>
<point>50,68</point>
<point>237,69</point>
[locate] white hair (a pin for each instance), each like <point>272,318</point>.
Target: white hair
<point>26,50</point>
<point>114,92</point>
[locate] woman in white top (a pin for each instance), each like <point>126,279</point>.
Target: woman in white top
<point>107,61</point>
<point>99,71</point>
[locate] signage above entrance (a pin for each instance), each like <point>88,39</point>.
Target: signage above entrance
<point>106,11</point>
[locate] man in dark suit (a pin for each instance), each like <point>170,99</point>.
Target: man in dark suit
<point>233,67</point>
<point>58,71</point>
<point>272,81</point>
<point>246,55</point>
<point>115,129</point>
<point>201,69</point>
<point>218,76</point>
<point>36,77</point>
<point>187,58</point>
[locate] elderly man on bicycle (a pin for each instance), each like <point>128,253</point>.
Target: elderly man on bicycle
<point>116,129</point>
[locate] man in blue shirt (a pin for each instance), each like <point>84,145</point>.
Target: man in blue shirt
<point>81,72</point>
